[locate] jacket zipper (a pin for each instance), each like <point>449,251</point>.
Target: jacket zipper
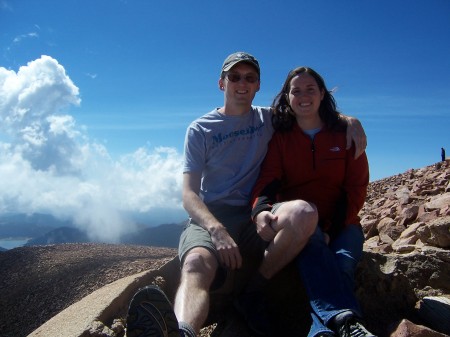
<point>313,150</point>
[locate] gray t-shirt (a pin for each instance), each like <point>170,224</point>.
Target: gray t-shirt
<point>228,151</point>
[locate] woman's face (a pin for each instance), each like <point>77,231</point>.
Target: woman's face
<point>305,96</point>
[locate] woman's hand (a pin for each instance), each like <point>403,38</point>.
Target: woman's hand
<point>265,224</point>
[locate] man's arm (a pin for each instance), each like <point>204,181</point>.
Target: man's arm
<point>195,206</point>
<point>355,133</point>
<point>197,210</point>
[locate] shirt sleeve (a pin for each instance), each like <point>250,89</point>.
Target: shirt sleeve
<point>264,193</point>
<point>355,185</point>
<point>194,150</point>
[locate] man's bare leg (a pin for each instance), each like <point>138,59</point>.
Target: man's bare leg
<point>192,298</point>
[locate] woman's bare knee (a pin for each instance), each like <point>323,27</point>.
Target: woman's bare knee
<point>303,207</point>
<point>299,216</point>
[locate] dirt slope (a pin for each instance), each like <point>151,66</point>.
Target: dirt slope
<point>38,282</point>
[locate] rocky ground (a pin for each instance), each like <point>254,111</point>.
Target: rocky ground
<point>38,282</point>
<point>406,220</point>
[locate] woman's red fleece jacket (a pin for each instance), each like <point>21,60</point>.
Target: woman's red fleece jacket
<point>320,171</point>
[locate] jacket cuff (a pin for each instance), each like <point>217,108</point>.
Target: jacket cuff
<point>259,208</point>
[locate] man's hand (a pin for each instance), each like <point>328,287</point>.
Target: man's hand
<point>265,224</point>
<point>228,249</point>
<point>355,133</point>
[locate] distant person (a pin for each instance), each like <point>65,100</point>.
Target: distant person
<point>442,154</point>
<point>223,153</point>
<point>307,160</point>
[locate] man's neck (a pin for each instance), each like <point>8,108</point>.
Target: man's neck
<point>239,110</point>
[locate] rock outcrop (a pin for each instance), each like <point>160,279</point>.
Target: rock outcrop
<point>406,221</point>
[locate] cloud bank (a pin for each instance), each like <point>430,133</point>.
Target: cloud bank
<point>48,164</point>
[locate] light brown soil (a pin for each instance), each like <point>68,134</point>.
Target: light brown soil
<point>38,282</point>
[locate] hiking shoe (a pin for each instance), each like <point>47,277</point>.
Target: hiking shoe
<point>352,327</point>
<point>252,306</point>
<point>150,314</point>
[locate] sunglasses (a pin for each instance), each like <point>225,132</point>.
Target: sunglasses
<point>235,77</point>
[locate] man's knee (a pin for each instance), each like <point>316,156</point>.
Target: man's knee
<point>199,261</point>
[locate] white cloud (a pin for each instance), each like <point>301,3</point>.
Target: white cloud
<point>19,38</point>
<point>49,164</point>
<point>93,76</point>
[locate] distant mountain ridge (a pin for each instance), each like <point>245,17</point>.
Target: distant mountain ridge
<point>60,235</point>
<point>45,229</point>
<point>165,235</point>
<point>23,225</point>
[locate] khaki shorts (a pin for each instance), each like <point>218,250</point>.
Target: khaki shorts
<point>240,227</point>
<point>276,206</point>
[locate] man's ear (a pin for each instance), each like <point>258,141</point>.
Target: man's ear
<point>221,84</point>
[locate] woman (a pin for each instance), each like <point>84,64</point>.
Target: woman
<point>307,160</point>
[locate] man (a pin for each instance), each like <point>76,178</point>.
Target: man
<point>223,152</point>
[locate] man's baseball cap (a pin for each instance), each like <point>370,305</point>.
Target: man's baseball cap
<point>238,57</point>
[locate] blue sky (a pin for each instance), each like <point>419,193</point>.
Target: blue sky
<point>131,75</point>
